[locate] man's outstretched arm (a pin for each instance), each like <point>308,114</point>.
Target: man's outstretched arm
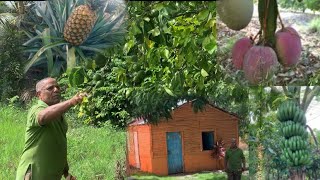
<point>55,111</point>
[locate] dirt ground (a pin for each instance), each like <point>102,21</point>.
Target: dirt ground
<point>309,64</point>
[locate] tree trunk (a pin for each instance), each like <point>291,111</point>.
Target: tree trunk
<point>253,160</point>
<point>260,160</point>
<point>297,175</point>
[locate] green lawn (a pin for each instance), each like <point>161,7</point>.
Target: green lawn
<point>197,176</point>
<point>92,152</point>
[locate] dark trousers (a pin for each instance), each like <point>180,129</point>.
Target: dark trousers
<point>234,175</point>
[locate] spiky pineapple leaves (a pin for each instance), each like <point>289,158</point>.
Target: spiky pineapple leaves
<point>47,45</point>
<point>76,76</point>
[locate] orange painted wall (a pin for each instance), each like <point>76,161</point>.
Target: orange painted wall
<point>144,139</point>
<point>191,125</point>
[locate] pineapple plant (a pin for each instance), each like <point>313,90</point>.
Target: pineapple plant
<point>71,32</point>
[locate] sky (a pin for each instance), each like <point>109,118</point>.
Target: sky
<point>313,114</point>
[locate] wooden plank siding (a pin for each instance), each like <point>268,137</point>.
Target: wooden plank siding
<point>191,125</point>
<point>153,152</point>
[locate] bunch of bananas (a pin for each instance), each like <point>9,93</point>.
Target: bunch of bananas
<point>293,129</point>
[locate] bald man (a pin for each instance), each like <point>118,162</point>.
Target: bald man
<point>234,162</point>
<point>44,156</point>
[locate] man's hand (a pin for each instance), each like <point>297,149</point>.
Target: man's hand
<point>77,98</point>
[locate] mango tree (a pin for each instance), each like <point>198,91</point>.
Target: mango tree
<point>168,58</point>
<point>260,58</point>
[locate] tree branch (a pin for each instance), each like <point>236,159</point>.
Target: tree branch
<point>306,92</point>
<point>310,96</point>
<point>314,137</point>
<point>298,94</point>
<point>285,90</point>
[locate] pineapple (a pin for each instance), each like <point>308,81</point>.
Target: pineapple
<point>64,23</point>
<point>79,25</point>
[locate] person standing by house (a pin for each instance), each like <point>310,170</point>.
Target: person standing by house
<point>45,151</point>
<point>234,161</point>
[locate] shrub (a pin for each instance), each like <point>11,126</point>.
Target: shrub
<point>314,26</point>
<point>11,60</point>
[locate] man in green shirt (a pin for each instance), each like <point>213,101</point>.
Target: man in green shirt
<point>44,156</point>
<point>234,161</point>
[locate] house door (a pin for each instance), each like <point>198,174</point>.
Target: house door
<point>174,151</point>
<point>136,149</point>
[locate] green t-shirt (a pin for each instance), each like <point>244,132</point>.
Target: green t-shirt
<point>234,158</point>
<point>45,149</point>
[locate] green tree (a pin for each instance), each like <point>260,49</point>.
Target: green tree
<point>313,4</point>
<point>168,57</point>
<point>294,4</point>
<point>169,54</point>
<point>11,59</point>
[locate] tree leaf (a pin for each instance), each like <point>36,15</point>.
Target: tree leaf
<point>135,29</point>
<point>211,47</point>
<point>204,73</point>
<point>168,91</point>
<point>128,46</point>
<point>203,15</point>
<point>78,77</point>
<point>146,19</point>
<point>165,53</point>
<point>155,32</point>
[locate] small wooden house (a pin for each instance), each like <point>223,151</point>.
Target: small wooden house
<point>182,144</point>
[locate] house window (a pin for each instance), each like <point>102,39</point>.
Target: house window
<point>207,140</point>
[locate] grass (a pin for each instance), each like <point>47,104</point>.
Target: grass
<point>197,176</point>
<point>314,25</point>
<point>92,153</point>
<point>11,140</point>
